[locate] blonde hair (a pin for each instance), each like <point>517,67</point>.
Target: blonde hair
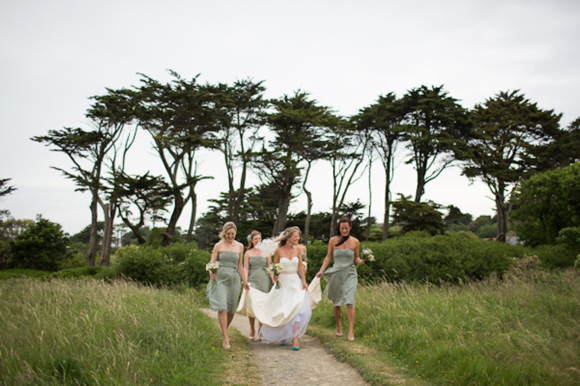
<point>227,226</point>
<point>251,238</point>
<point>288,232</point>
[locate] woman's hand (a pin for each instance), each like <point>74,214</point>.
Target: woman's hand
<point>304,285</point>
<point>359,260</point>
<point>212,276</point>
<point>247,286</point>
<point>319,274</point>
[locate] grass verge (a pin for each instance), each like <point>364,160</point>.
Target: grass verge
<point>88,332</point>
<point>524,329</point>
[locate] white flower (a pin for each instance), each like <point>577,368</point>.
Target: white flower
<point>305,264</point>
<point>368,254</point>
<point>212,267</point>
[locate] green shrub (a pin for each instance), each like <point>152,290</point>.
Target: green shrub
<point>73,260</point>
<point>417,256</point>
<point>42,246</point>
<point>555,256</point>
<point>570,237</point>
<point>175,264</point>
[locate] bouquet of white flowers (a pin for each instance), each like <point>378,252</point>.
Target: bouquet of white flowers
<point>368,254</point>
<point>305,264</point>
<point>275,269</point>
<point>212,267</point>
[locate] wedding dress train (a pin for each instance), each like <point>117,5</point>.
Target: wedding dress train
<point>283,312</point>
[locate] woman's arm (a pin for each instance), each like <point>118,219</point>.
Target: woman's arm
<point>214,257</point>
<point>301,270</point>
<point>326,261</point>
<point>357,259</point>
<point>242,269</point>
<point>269,261</point>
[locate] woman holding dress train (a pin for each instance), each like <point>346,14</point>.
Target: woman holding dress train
<point>284,312</point>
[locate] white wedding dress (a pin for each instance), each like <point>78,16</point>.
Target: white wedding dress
<point>284,312</point>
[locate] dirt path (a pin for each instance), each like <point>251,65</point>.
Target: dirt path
<point>309,366</point>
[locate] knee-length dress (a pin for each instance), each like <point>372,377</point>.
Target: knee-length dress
<point>257,275</point>
<point>342,278</point>
<point>223,292</point>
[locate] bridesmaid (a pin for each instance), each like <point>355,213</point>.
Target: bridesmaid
<point>342,277</point>
<point>255,265</point>
<point>224,287</point>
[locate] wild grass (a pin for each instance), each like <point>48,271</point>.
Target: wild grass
<point>89,332</point>
<point>521,330</point>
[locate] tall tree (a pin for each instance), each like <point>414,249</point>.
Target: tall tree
<point>384,121</point>
<point>347,150</point>
<point>499,149</point>
<point>244,105</point>
<point>115,108</point>
<point>87,151</point>
<point>432,121</point>
<point>296,123</point>
<point>182,118</point>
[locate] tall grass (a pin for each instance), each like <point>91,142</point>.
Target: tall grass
<point>523,329</point>
<point>88,332</point>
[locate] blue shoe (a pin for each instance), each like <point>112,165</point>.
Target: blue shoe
<point>283,344</point>
<point>295,348</point>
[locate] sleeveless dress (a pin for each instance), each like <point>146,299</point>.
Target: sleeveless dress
<point>342,278</point>
<point>257,275</point>
<point>223,292</point>
<point>283,312</point>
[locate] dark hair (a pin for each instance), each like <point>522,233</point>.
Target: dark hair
<point>343,238</point>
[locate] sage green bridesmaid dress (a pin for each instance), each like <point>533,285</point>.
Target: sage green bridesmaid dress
<point>223,292</point>
<point>342,278</point>
<point>257,275</point>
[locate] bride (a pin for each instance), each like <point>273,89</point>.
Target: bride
<point>283,312</point>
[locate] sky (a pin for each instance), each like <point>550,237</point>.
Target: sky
<point>54,55</point>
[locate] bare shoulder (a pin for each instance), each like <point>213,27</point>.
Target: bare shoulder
<point>217,246</point>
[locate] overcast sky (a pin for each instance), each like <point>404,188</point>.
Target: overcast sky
<point>54,55</point>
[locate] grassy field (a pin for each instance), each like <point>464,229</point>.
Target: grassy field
<point>523,330</point>
<point>88,332</point>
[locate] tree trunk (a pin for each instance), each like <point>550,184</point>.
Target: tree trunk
<point>192,218</point>
<point>308,204</point>
<point>135,229</point>
<point>501,213</point>
<point>93,234</point>
<point>109,210</point>
<point>387,215</point>
<point>170,230</point>
<point>420,184</point>
<point>333,222</point>
<point>368,231</point>
<point>241,193</point>
<point>283,204</point>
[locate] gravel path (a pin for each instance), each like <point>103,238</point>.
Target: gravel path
<point>309,366</point>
